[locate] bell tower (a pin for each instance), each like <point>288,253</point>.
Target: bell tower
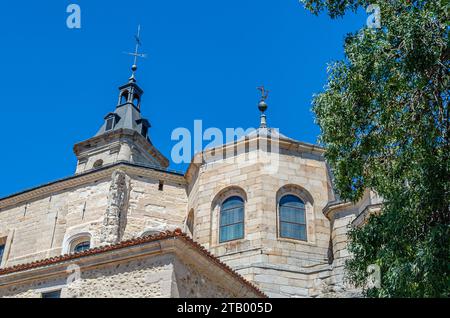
<point>130,93</point>
<point>124,135</point>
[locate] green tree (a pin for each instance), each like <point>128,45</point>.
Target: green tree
<point>384,117</point>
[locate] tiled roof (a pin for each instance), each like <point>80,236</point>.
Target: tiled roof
<point>133,242</point>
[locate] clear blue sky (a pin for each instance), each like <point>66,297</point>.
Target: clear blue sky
<point>206,59</point>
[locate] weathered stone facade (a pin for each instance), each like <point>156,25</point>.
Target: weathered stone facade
<point>158,269</point>
<point>41,223</point>
<point>281,267</point>
<point>122,190</point>
<point>114,222</point>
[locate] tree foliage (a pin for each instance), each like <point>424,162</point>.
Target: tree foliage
<point>385,121</point>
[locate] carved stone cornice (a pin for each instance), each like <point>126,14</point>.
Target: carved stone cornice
<point>251,144</point>
<point>89,177</point>
<point>107,138</point>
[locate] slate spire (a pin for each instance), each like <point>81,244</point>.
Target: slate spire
<point>128,110</point>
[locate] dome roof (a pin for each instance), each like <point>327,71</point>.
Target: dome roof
<point>268,133</point>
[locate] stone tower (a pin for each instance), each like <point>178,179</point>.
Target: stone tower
<point>285,256</point>
<point>123,137</point>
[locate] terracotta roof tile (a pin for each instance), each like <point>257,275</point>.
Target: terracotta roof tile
<point>133,242</point>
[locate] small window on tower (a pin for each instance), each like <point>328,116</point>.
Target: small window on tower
<point>110,123</point>
<point>144,131</point>
<point>136,101</point>
<point>124,98</point>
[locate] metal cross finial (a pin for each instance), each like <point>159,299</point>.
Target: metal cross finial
<point>136,53</point>
<point>264,93</point>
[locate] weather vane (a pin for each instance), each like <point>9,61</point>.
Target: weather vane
<point>264,93</point>
<point>262,106</point>
<point>136,53</point>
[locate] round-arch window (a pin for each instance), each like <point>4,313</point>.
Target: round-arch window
<point>136,100</point>
<point>81,247</point>
<point>292,218</point>
<point>124,98</point>
<point>232,219</point>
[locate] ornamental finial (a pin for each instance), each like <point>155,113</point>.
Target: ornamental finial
<point>136,54</point>
<point>262,106</point>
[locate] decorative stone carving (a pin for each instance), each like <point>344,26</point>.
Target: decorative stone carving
<point>116,213</point>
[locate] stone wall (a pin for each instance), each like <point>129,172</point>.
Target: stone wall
<point>122,146</point>
<point>144,278</point>
<point>37,228</point>
<point>42,223</point>
<point>281,267</point>
<point>342,218</point>
<point>162,269</point>
<point>43,226</point>
<point>153,210</point>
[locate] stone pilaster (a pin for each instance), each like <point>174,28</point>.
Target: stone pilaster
<point>115,216</point>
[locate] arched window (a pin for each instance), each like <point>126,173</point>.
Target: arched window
<point>144,131</point>
<point>136,100</point>
<point>292,218</point>
<point>231,219</point>
<point>124,98</point>
<point>77,243</point>
<point>81,247</point>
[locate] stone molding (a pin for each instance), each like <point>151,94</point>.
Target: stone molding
<point>86,178</point>
<point>285,144</point>
<point>175,242</point>
<point>83,146</point>
<point>115,215</point>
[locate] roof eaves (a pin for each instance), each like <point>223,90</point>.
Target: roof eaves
<point>105,167</point>
<point>133,242</point>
